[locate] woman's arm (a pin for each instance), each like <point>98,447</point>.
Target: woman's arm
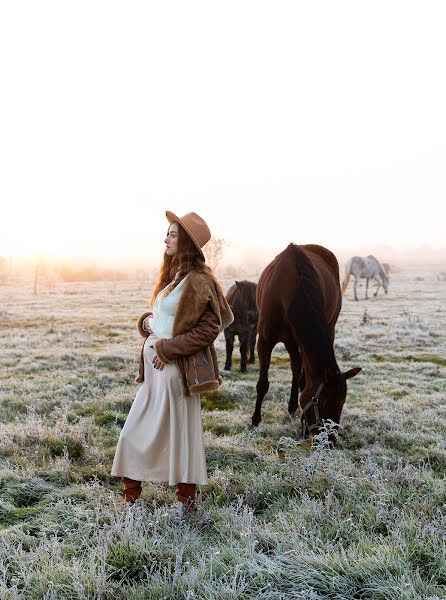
<point>184,344</point>
<point>140,324</point>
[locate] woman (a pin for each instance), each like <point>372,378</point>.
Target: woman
<point>162,438</point>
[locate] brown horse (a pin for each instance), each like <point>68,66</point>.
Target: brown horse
<point>241,298</point>
<point>299,300</point>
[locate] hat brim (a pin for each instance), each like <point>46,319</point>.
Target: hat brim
<point>172,217</point>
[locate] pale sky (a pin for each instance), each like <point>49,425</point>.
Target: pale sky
<point>321,122</point>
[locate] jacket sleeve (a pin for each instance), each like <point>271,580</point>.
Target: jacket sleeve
<point>185,344</point>
<point>139,323</point>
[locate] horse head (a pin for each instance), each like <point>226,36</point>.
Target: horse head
<point>253,316</point>
<point>325,399</point>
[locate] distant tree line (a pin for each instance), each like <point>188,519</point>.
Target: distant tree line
<point>89,273</point>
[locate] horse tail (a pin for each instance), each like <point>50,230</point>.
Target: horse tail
<point>348,270</point>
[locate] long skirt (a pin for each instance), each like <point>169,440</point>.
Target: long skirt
<point>162,438</point>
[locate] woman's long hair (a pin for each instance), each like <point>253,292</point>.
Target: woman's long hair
<point>185,260</point>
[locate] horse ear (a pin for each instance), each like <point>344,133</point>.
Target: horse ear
<point>352,373</point>
<point>237,283</point>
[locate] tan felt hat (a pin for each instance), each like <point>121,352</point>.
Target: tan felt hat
<point>195,227</point>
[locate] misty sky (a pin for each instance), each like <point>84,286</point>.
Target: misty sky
<point>320,122</point>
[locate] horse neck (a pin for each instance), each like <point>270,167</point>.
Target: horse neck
<point>238,301</point>
<point>316,370</point>
<point>382,273</point>
<point>312,334</point>
<point>307,314</point>
<point>378,270</point>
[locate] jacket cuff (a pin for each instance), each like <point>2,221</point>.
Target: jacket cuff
<point>139,323</point>
<point>160,352</point>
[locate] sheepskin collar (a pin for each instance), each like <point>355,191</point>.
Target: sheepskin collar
<point>200,289</point>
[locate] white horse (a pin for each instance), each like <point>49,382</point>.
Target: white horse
<point>367,267</point>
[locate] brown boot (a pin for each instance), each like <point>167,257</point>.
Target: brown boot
<point>186,495</point>
<point>132,489</point>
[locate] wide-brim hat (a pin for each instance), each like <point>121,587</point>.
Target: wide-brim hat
<point>195,227</point>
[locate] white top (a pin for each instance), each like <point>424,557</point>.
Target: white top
<point>164,311</point>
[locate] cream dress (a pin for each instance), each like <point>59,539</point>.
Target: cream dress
<point>162,438</point>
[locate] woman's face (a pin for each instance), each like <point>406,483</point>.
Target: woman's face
<point>171,240</point>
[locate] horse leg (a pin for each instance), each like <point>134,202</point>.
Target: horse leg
<point>229,337</point>
<point>367,288</point>
<point>379,283</point>
<point>355,288</point>
<point>302,380</point>
<point>264,349</point>
<point>296,367</point>
<point>252,343</point>
<point>244,340</point>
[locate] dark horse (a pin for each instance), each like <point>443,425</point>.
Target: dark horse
<point>299,300</point>
<point>241,298</point>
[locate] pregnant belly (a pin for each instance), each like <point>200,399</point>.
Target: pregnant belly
<point>149,347</point>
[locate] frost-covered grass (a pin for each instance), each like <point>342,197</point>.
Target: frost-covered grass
<point>278,519</point>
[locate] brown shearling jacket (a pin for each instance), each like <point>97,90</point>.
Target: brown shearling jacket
<point>202,313</point>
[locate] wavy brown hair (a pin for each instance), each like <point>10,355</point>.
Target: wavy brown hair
<point>185,260</point>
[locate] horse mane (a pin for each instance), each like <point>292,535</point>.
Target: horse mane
<point>244,292</point>
<point>306,313</point>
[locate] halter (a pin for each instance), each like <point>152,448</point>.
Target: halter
<point>313,403</point>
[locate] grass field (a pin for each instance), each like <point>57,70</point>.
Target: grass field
<point>367,520</point>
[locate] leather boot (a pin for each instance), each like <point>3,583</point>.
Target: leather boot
<point>132,489</point>
<point>186,493</point>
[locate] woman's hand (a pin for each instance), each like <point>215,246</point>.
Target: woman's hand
<point>146,326</point>
<point>157,363</point>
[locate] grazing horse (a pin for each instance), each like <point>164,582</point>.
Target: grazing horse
<point>367,267</point>
<point>299,300</point>
<point>241,298</point>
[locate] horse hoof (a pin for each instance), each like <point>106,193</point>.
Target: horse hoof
<point>255,422</point>
<point>243,370</point>
<point>227,368</point>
